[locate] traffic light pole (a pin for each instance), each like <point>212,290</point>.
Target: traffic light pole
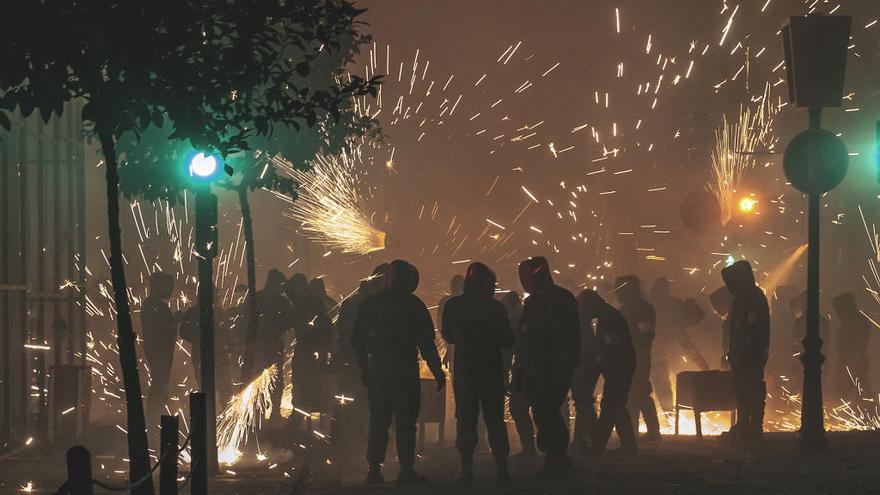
<point>206,250</point>
<point>812,433</point>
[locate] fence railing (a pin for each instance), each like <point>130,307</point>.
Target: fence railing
<point>79,460</point>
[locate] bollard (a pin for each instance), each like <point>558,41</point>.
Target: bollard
<point>199,441</point>
<point>79,471</point>
<point>168,454</point>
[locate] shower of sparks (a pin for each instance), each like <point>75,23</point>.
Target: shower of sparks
<point>243,414</point>
<point>330,207</point>
<point>735,147</point>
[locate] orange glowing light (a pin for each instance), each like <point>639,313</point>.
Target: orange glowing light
<point>747,204</point>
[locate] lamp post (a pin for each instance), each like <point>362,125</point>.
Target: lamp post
<point>815,162</point>
<point>203,169</point>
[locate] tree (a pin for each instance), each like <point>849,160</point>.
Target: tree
<point>219,71</point>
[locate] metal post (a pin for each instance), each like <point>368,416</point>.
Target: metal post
<point>40,356</point>
<point>198,441</point>
<point>206,206</point>
<point>5,297</point>
<point>812,433</point>
<point>79,471</point>
<point>168,454</point>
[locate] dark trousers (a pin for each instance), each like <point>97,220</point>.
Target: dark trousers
<point>641,403</point>
<point>751,394</point>
<point>522,418</point>
<point>614,412</point>
<point>582,392</point>
<point>546,395</point>
<point>394,391</point>
<point>277,358</point>
<point>160,373</point>
<point>469,399</point>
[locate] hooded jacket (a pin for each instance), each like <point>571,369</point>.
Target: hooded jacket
<point>749,317</point>
<point>549,325</point>
<point>394,323</point>
<point>476,324</point>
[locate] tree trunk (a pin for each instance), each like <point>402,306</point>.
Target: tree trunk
<point>139,463</point>
<point>250,348</point>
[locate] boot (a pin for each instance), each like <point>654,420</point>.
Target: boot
<point>503,474</point>
<point>374,476</point>
<point>466,474</point>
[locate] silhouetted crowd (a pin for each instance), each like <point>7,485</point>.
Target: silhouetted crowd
<point>530,353</point>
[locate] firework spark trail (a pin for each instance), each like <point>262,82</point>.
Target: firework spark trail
<point>330,208</point>
<point>243,414</point>
<point>735,145</point>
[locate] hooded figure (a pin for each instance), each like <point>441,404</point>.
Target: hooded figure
<point>319,290</point>
<point>350,385</point>
<point>393,327</point>
<point>642,320</point>
<point>852,338</point>
<point>314,343</point>
<point>477,325</point>
<point>159,331</point>
<point>546,357</point>
<point>749,320</point>
<point>276,314</point>
<point>615,358</point>
<point>586,375</point>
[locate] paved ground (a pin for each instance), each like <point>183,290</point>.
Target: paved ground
<point>676,466</point>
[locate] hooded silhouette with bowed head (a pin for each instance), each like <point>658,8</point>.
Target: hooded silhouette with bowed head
<point>159,331</point>
<point>642,321</point>
<point>477,325</point>
<point>319,290</point>
<point>393,327</point>
<point>749,319</point>
<point>585,377</point>
<point>357,417</point>
<point>615,357</point>
<point>546,357</point>
<point>852,338</point>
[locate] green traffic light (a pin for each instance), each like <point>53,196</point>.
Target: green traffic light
<point>202,167</point>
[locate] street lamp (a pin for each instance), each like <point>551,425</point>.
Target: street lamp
<point>203,169</point>
<point>815,162</point>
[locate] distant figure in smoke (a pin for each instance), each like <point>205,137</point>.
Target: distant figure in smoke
<point>393,327</point>
<point>721,300</point>
<point>586,375</point>
<point>642,320</point>
<point>615,357</point>
<point>456,287</point>
<point>749,347</point>
<point>275,316</point>
<point>349,373</point>
<point>314,338</point>
<point>319,290</point>
<point>478,326</point>
<point>798,307</point>
<point>159,328</point>
<point>853,336</point>
<point>673,340</point>
<point>546,357</point>
<point>518,404</point>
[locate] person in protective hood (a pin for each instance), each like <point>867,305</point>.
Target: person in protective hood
<point>852,338</point>
<point>476,324</point>
<point>159,331</point>
<point>393,327</point>
<point>615,357</point>
<point>642,320</point>
<point>349,373</point>
<point>585,377</point>
<point>546,357</point>
<point>749,319</point>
